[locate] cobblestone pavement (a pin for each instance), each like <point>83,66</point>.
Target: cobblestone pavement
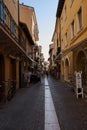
<point>71,112</point>
<point>25,111</point>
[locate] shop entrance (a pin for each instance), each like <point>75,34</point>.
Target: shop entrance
<point>66,70</point>
<point>81,65</point>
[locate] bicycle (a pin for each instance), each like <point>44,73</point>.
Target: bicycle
<point>3,91</point>
<point>11,90</point>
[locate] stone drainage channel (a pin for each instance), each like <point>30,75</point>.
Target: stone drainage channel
<point>51,121</point>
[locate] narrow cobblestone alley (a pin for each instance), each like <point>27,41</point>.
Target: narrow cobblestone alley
<point>71,112</point>
<point>51,120</point>
<point>43,65</point>
<point>26,111</point>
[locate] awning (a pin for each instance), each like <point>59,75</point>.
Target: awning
<point>26,30</point>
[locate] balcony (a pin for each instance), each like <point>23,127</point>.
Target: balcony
<point>9,33</point>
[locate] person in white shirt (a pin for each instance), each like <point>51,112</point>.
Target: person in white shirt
<point>25,78</point>
<point>28,77</point>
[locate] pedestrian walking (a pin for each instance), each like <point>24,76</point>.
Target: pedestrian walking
<point>27,77</point>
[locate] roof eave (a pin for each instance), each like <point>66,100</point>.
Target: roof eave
<point>59,8</point>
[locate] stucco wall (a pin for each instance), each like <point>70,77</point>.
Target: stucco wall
<point>12,6</point>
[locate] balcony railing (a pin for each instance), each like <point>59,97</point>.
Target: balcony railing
<point>22,40</point>
<point>9,24</point>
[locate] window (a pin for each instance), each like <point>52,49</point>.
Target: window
<point>65,12</point>
<point>13,27</point>
<point>72,29</point>
<point>61,23</point>
<point>62,44</point>
<point>66,38</point>
<point>2,12</point>
<point>79,18</point>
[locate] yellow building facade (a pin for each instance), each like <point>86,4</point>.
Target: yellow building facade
<point>9,47</point>
<point>72,14</point>
<point>28,17</point>
<point>15,44</point>
<point>52,65</point>
<point>57,49</point>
